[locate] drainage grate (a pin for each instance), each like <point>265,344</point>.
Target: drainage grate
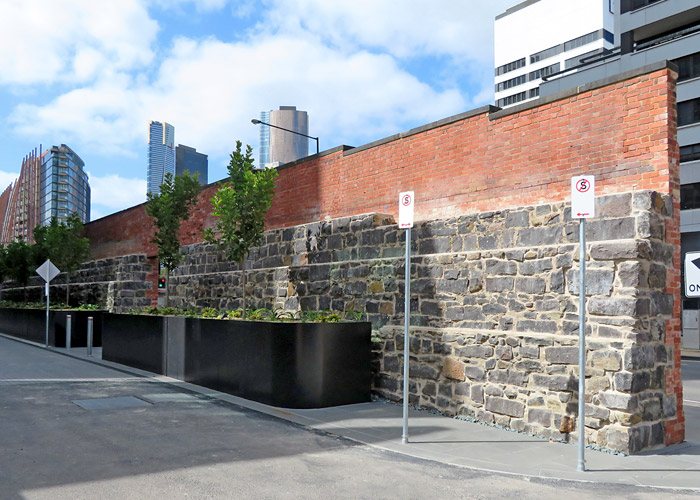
<point>171,397</point>
<point>111,403</point>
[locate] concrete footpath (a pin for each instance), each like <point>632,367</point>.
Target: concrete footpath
<point>442,439</point>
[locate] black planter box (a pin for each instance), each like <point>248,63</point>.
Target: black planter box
<point>291,365</point>
<point>30,324</point>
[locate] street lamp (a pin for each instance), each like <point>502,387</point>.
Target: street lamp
<point>258,122</point>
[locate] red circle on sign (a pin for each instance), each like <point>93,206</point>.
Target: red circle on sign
<point>406,200</point>
<point>583,185</point>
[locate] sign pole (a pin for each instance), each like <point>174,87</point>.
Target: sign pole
<point>582,347</point>
<point>406,209</point>
<point>582,208</point>
<point>406,346</point>
<point>46,291</point>
<point>48,272</point>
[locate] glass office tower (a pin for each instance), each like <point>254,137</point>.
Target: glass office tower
<point>161,154</point>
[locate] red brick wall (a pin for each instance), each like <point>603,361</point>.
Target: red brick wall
<point>622,133</point>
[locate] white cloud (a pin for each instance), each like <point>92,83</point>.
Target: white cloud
<point>210,90</point>
<point>111,193</point>
<point>7,178</point>
<point>460,29</point>
<point>47,41</point>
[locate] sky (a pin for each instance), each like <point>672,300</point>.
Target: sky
<point>92,74</point>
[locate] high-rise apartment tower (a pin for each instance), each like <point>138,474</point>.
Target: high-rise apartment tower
<point>161,154</point>
<point>280,146</point>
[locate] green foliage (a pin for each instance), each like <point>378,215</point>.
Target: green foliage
<point>241,205</point>
<point>261,314</point>
<point>55,306</point>
<point>62,243</point>
<point>169,209</point>
<point>19,261</point>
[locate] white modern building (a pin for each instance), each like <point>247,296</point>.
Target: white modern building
<point>538,38</point>
<point>161,154</point>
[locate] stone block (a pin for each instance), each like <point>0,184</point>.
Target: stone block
<point>622,249</point>
<point>528,365</point>
<point>474,373</point>
<point>527,325</point>
<point>555,382</point>
<point>610,229</point>
<point>539,416</point>
<point>606,360</point>
<point>562,355</point>
<point>518,219</point>
<point>618,400</point>
<point>539,236</point>
<point>618,306</point>
<point>453,369</point>
<point>639,357</point>
<point>657,276</point>
<point>500,267</point>
<point>598,281</point>
<point>535,267</point>
<point>530,351</point>
<point>505,407</point>
<point>632,382</point>
<point>597,412</point>
<point>474,351</point>
<point>477,394</point>
<point>532,286</point>
<point>417,370</point>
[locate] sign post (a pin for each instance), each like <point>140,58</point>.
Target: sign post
<point>406,204</point>
<point>582,208</point>
<point>48,272</point>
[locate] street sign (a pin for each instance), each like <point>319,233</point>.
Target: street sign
<point>583,197</point>
<point>47,271</point>
<point>406,204</point>
<point>692,274</point>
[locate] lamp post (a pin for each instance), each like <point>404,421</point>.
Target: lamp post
<point>258,122</point>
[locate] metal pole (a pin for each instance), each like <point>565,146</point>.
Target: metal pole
<point>406,322</point>
<point>582,347</point>
<point>89,336</point>
<point>68,333</point>
<point>46,292</point>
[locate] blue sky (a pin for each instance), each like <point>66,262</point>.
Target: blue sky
<point>91,74</point>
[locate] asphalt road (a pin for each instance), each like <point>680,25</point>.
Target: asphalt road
<point>178,445</point>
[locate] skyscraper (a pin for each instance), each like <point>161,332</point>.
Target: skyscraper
<point>161,154</point>
<point>280,146</point>
<point>51,183</point>
<point>187,158</point>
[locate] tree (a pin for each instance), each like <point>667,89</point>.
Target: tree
<point>168,209</point>
<point>3,267</point>
<point>241,205</point>
<point>19,262</point>
<point>63,244</point>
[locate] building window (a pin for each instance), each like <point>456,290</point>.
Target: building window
<point>542,72</point>
<point>690,196</point>
<point>689,112</point>
<point>690,153</point>
<point>511,66</point>
<point>611,6</point>
<point>534,92</point>
<point>572,44</point>
<point>512,99</point>
<point>688,66</point>
<point>513,82</point>
<point>629,5</point>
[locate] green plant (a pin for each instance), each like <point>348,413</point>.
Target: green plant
<point>169,208</point>
<point>211,313</point>
<point>89,307</point>
<point>63,245</point>
<point>240,206</point>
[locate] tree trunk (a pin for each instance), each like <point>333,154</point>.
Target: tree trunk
<point>242,263</point>
<point>167,287</point>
